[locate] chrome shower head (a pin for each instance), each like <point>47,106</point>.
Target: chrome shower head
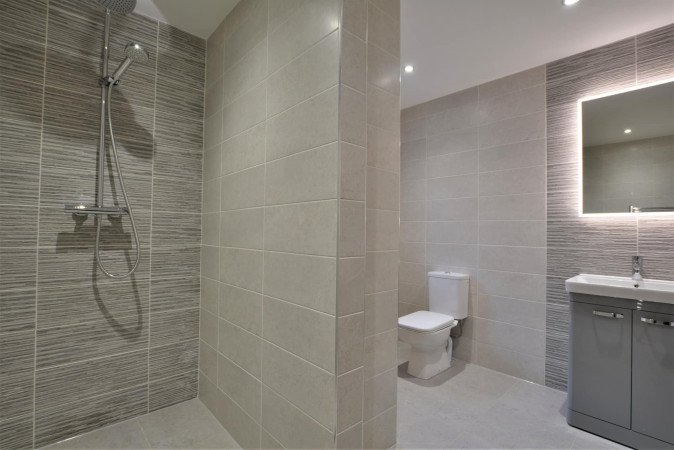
<point>118,6</point>
<point>134,53</point>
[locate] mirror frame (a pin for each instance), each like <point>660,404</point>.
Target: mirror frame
<point>579,126</point>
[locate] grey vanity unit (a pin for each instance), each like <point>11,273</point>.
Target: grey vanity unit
<point>621,371</point>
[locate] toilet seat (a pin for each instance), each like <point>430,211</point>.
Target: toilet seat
<point>425,321</point>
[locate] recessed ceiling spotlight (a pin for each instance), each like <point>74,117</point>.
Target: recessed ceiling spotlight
<point>569,2</point>
<point>409,68</point>
<point>628,130</point>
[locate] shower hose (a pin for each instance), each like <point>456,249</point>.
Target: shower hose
<point>126,200</point>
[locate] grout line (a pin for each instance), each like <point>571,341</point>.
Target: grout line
<point>149,301</point>
<point>37,237</point>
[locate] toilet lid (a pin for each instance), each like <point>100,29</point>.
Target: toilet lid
<point>425,321</point>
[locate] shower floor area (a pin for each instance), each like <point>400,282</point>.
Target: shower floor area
<point>187,425</point>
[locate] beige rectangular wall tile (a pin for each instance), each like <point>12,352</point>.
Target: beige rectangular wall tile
<point>306,386</point>
<point>309,228</point>
<point>304,332</point>
<point>306,125</point>
<point>305,176</point>
<point>311,73</point>
<point>290,426</point>
<point>302,279</point>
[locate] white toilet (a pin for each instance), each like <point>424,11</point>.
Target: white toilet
<point>427,332</point>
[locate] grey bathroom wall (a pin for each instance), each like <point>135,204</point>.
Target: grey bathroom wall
<point>367,304</point>
<point>271,209</point>
<point>473,201</point>
<point>593,244</point>
<point>79,350</point>
<point>284,358</point>
<point>495,194</point>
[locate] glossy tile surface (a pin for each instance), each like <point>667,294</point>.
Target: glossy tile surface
<point>469,406</point>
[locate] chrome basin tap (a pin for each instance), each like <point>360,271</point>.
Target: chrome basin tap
<point>637,268</point>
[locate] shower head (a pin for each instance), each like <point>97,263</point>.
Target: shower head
<point>134,53</point>
<point>118,6</point>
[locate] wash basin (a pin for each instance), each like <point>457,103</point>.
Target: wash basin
<point>658,291</point>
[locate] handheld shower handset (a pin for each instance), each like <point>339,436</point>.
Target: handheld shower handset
<point>134,52</point>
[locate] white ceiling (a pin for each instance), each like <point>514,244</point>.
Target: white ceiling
<point>456,44</point>
<point>197,17</point>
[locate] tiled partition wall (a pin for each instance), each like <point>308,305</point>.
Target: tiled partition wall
<point>473,201</point>
<point>79,350</point>
<point>589,244</point>
<point>283,262</point>
<point>369,113</point>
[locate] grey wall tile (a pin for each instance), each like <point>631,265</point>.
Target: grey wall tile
<point>61,384</point>
<point>305,26</point>
<point>171,390</point>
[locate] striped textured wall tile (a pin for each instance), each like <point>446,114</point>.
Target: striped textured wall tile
<point>18,226</point>
<point>21,100</point>
<point>16,432</point>
<point>17,268</point>
<point>69,344</point>
<point>593,72</point>
<point>656,245</point>
<point>174,326</point>
<point>655,54</point>
<point>16,373</point>
<point>172,390</point>
<point>67,305</point>
<point>173,359</point>
<point>168,262</point>
<point>20,155</point>
<point>17,310</point>
<point>25,20</point>
<point>174,293</point>
<point>175,228</point>
<point>73,418</point>
<point>55,386</point>
<point>184,163</point>
<point>21,59</point>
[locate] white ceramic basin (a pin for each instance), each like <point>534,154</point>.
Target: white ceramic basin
<point>658,291</point>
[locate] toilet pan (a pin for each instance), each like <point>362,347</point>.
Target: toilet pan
<point>431,347</point>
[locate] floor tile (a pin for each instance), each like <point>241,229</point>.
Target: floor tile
<point>187,425</point>
<point>124,435</point>
<point>469,406</point>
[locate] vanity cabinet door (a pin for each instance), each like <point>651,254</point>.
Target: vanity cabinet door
<point>653,375</point>
<point>600,357</point>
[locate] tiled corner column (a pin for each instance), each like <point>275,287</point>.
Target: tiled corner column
<point>370,135</point>
<point>284,257</point>
<point>271,213</point>
<point>473,201</point>
<point>598,245</point>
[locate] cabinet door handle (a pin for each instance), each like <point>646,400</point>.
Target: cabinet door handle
<point>610,315</point>
<point>657,322</point>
